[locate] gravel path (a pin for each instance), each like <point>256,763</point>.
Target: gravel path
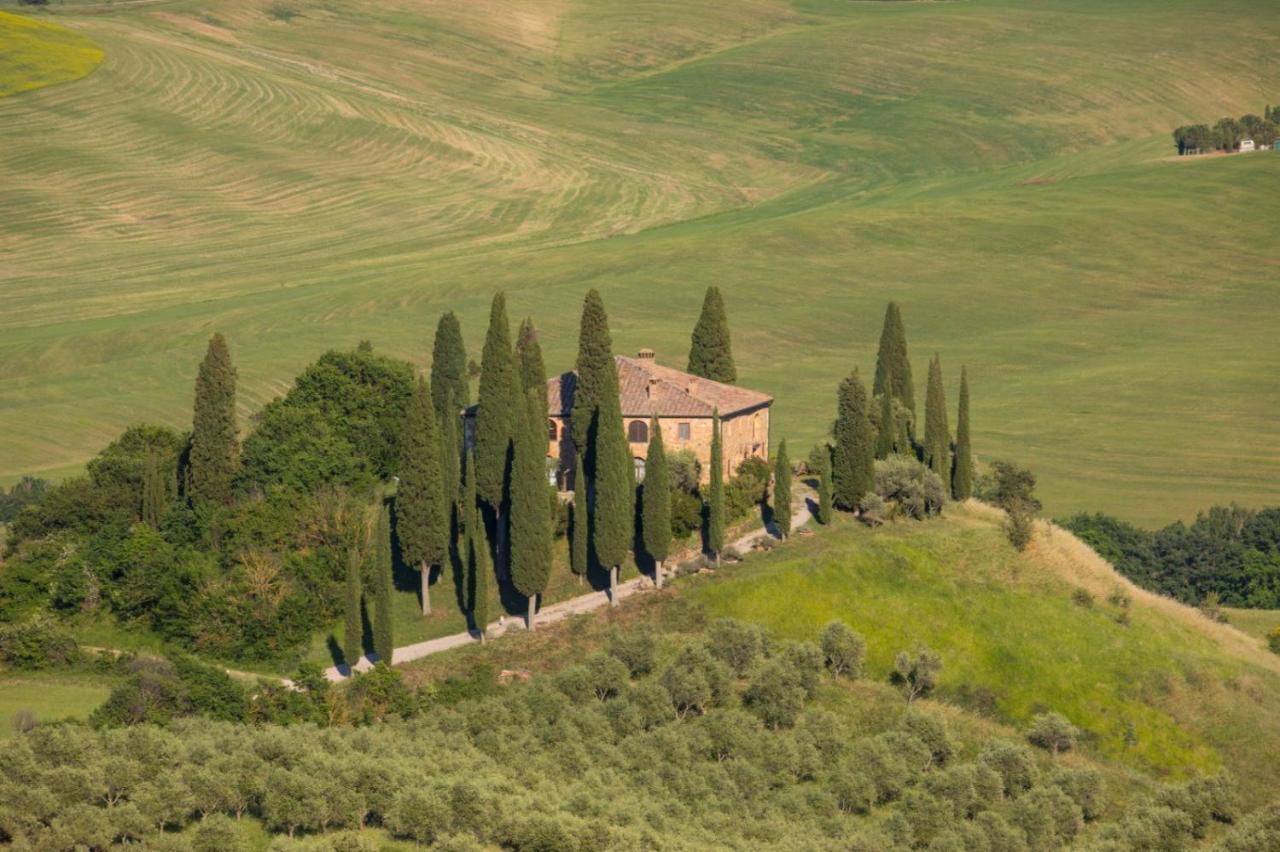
<point>560,611</point>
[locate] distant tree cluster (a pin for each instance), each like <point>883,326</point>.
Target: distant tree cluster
<point>1229,552</point>
<point>1227,133</point>
<point>876,465</point>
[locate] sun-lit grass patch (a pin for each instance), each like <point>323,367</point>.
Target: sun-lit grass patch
<point>48,697</point>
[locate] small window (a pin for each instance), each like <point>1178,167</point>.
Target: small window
<point>638,432</point>
<point>552,432</point>
<point>683,431</point>
<point>639,463</point>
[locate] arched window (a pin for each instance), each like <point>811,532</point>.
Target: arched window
<point>638,432</point>
<point>639,463</point>
<point>553,433</point>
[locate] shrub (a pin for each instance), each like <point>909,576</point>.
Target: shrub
<point>1009,486</point>
<point>735,643</point>
<point>1084,786</point>
<point>775,696</point>
<point>931,732</point>
<point>636,647</point>
<point>685,471</point>
<point>871,510</point>
<point>1211,608</point>
<point>1273,640</point>
<point>843,650</point>
<point>804,661</point>
<point>914,490</point>
<point>1082,597</point>
<point>686,514</point>
<point>747,489</point>
<point>607,676</point>
<point>1013,764</point>
<point>1053,732</point>
<point>916,672</point>
<point>1020,529</point>
<point>37,643</point>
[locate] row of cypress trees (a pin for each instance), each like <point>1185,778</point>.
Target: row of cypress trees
<point>855,448</point>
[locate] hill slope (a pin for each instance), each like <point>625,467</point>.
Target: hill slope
<point>302,175</point>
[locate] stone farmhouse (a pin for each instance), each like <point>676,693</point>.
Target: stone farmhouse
<point>684,405</point>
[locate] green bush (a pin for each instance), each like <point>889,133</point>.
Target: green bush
<point>736,644</point>
<point>913,489</point>
<point>843,650</point>
<point>37,643</point>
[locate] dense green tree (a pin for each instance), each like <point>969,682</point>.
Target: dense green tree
<point>500,402</point>
<point>782,491</point>
<point>533,372</point>
<point>655,509</point>
<point>715,491</point>
<point>596,377</point>
<point>710,352</point>
<point>962,466</point>
<point>422,512</point>
<point>937,433</point>
<point>1053,732</point>
<point>153,492</point>
<point>893,367</point>
<point>214,457</point>
<point>579,530</point>
<point>886,428</point>
<point>826,487</point>
<point>383,641</point>
<point>449,382</point>
<point>451,466</point>
<point>613,512</point>
<point>353,623</point>
<point>853,466</point>
<point>530,520</point>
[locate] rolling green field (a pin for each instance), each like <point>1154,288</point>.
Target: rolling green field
<point>49,697</point>
<point>39,53</point>
<point>303,174</point>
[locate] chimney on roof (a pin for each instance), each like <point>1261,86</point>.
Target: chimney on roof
<point>646,354</point>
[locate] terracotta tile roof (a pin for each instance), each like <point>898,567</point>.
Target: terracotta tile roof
<point>647,388</point>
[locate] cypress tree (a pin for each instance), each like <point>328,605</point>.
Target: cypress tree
<point>655,509</point>
<point>422,511</point>
<point>580,526</point>
<point>715,491</point>
<point>475,553</point>
<point>824,488</point>
<point>498,407</point>
<point>451,468</point>
<point>893,368</point>
<point>613,514</point>
<point>533,372</point>
<point>782,491</point>
<point>886,437</point>
<point>962,474</point>
<point>449,367</point>
<point>530,520</point>
<point>596,379</point>
<point>853,471</point>
<point>153,492</point>
<point>353,628</point>
<point>710,352</point>
<point>383,643</point>
<point>215,449</point>
<point>937,437</point>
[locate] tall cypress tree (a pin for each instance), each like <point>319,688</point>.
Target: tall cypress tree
<point>353,627</point>
<point>825,488</point>
<point>715,491</point>
<point>893,368</point>
<point>215,447</point>
<point>451,468</point>
<point>596,375</point>
<point>530,519</point>
<point>422,511</point>
<point>655,508</point>
<point>383,642</point>
<point>886,433</point>
<point>475,554</point>
<point>937,437</point>
<point>962,473</point>
<point>710,352</point>
<point>613,514</point>
<point>782,491</point>
<point>533,372</point>
<point>449,366</point>
<point>153,491</point>
<point>853,471</point>
<point>499,404</point>
<point>579,532</point>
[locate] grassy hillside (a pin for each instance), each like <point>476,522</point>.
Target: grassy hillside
<point>1170,693</point>
<point>302,175</point>
<point>39,53</point>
